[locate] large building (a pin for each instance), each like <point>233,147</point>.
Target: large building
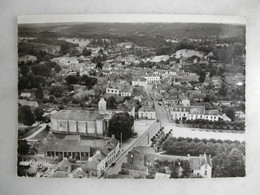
<point>147,112</point>
<point>194,112</point>
<point>152,78</point>
<point>88,122</point>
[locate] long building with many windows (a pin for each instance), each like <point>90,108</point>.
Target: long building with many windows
<point>193,113</point>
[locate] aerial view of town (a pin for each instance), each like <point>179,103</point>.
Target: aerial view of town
<point>131,100</point>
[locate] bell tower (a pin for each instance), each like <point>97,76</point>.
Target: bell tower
<point>102,106</point>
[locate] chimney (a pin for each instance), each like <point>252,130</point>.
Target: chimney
<point>98,152</point>
<point>113,136</point>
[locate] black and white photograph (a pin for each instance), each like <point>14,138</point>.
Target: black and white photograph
<point>131,99</point>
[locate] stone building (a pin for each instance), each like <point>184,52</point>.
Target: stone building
<point>88,122</point>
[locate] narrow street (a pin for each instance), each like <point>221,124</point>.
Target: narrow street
<point>42,127</point>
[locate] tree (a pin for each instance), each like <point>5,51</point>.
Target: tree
<point>71,79</point>
<point>111,102</point>
<point>23,147</point>
<point>56,90</point>
<point>41,69</point>
<point>86,52</point>
<point>121,123</point>
<point>230,164</point>
<point>38,112</point>
<point>39,93</point>
<point>57,68</point>
<point>99,65</point>
<point>186,170</point>
<point>24,70</point>
<point>64,48</point>
<point>230,113</point>
<point>25,115</point>
<point>202,76</point>
<point>23,83</point>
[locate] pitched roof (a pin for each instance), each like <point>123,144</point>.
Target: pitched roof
<point>58,145</point>
<point>60,174</point>
<point>147,109</point>
<point>212,112</point>
<point>28,103</point>
<point>77,115</point>
<point>106,149</point>
<point>63,165</point>
<point>197,109</point>
<point>78,172</point>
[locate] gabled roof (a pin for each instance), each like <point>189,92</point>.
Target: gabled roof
<point>77,115</point>
<point>59,145</point>
<point>107,148</point>
<point>78,171</point>
<point>147,109</point>
<point>28,103</point>
<point>212,112</point>
<point>63,165</point>
<point>60,174</point>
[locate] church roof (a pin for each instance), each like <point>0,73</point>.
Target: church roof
<point>77,115</point>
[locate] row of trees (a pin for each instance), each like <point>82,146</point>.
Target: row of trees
<point>222,125</point>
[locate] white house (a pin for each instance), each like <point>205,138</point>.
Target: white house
<point>111,90</point>
<point>147,112</point>
<point>193,113</point>
<point>140,81</point>
<point>152,79</point>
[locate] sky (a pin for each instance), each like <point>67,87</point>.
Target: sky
<point>130,18</point>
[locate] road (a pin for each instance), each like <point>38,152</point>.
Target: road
<point>42,127</point>
<point>143,140</point>
<point>179,131</point>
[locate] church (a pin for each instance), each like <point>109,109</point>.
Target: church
<point>83,122</point>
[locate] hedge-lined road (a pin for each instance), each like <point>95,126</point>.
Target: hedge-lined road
<point>193,132</point>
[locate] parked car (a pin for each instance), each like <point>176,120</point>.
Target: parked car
<point>113,164</point>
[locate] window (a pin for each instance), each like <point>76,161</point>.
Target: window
<point>205,172</point>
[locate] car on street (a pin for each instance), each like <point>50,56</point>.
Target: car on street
<point>113,164</point>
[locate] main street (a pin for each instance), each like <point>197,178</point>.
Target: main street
<point>143,140</point>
